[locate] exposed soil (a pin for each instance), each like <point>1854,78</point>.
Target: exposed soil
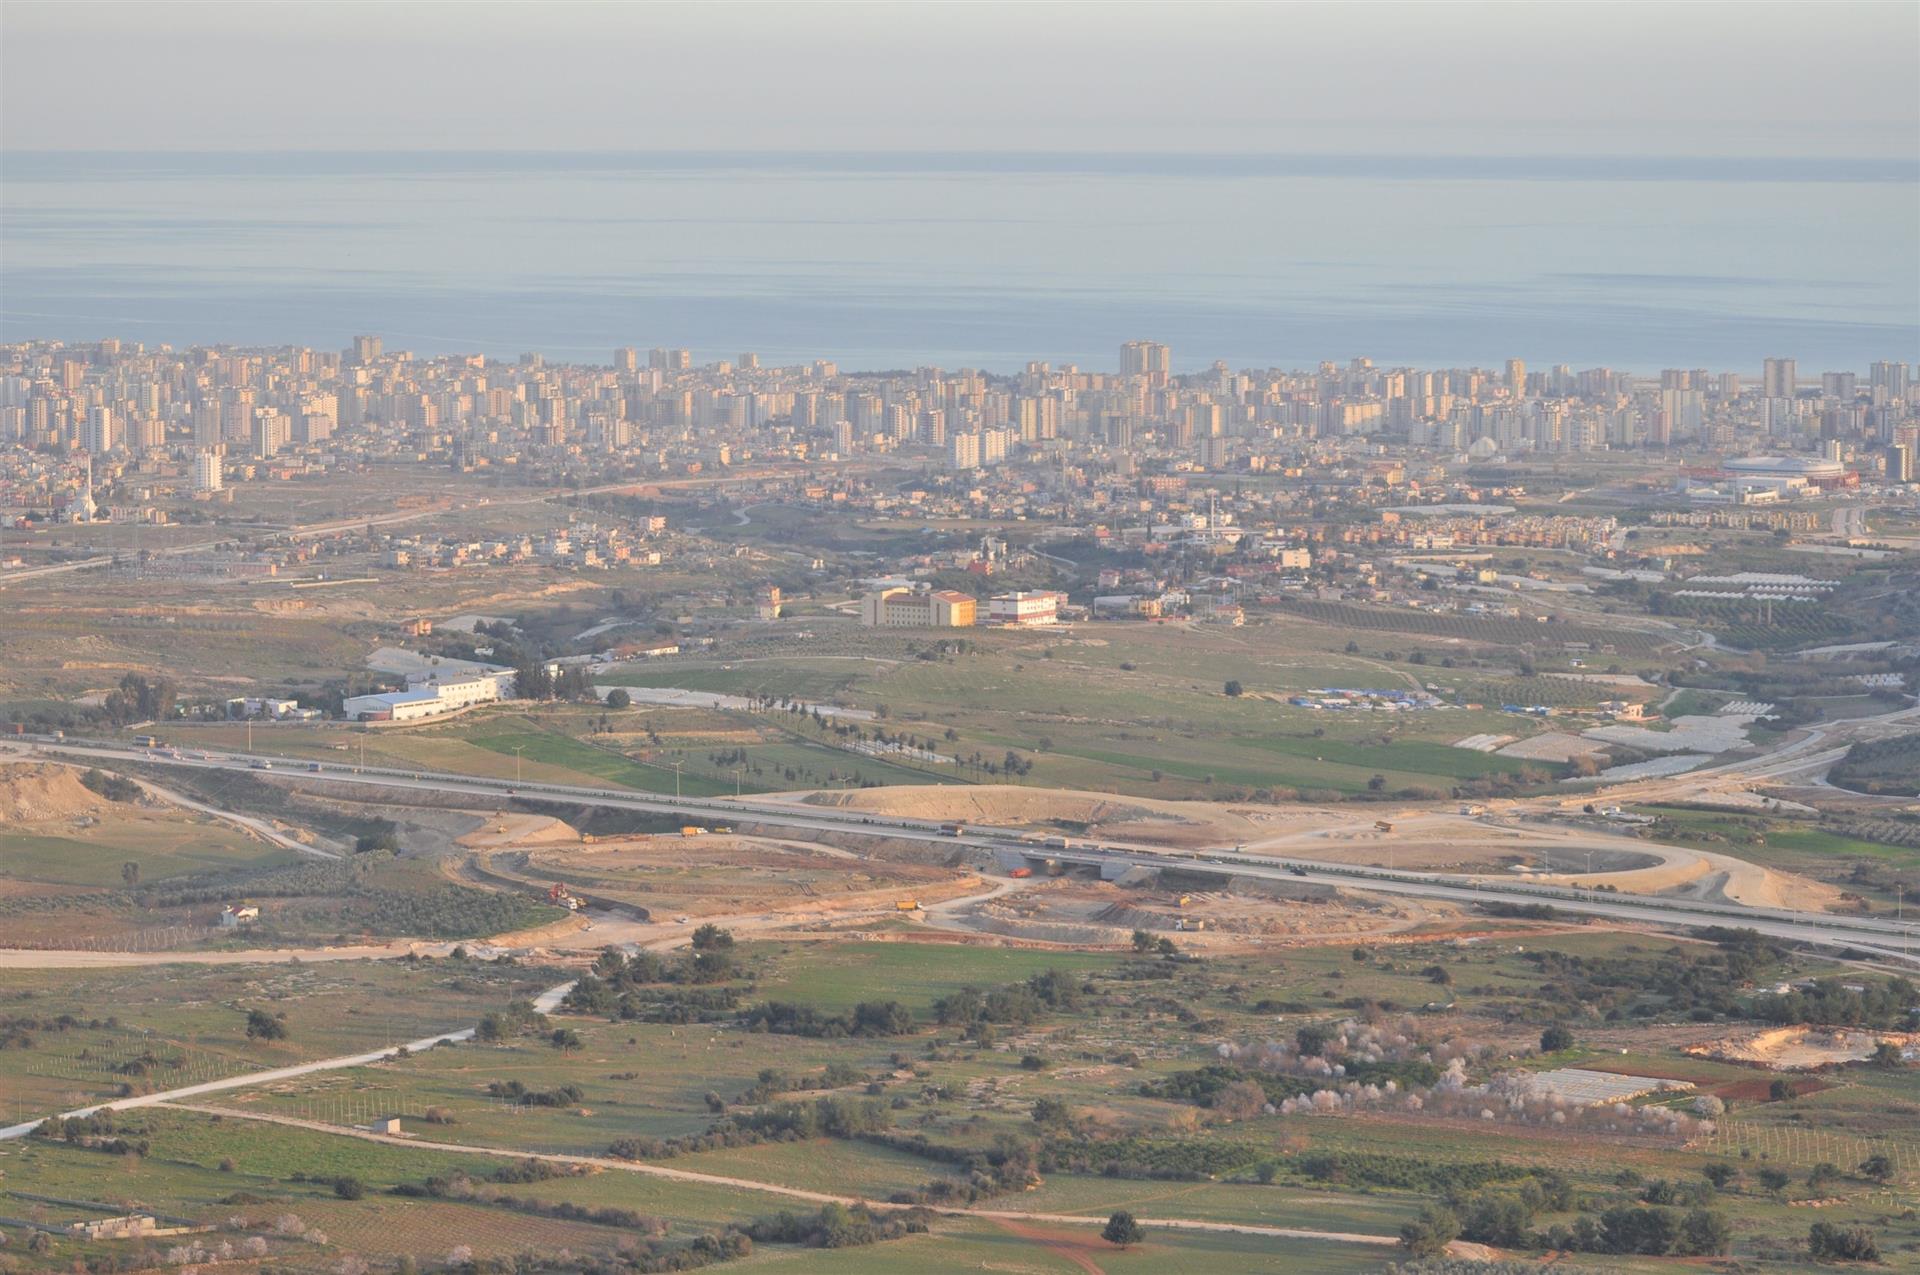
<point>34,793</point>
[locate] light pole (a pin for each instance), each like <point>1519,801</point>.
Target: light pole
<point>516,762</point>
<point>676,779</point>
<point>736,782</point>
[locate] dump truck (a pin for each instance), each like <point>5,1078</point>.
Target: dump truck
<point>1381,825</point>
<point>952,829</point>
<point>1020,873</point>
<point>693,830</point>
<point>907,905</point>
<point>1057,843</point>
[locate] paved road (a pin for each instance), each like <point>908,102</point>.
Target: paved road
<point>1881,937</point>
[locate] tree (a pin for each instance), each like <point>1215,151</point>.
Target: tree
<point>1704,1233</point>
<point>1142,941</point>
<point>1233,689</point>
<point>1122,1229</point>
<point>130,873</point>
<point>1721,1174</point>
<point>1240,1100</point>
<point>264,1026</point>
<point>1828,1242</point>
<point>1877,1167</point>
<point>1429,1234</point>
<point>348,1188</point>
<point>618,698</point>
<point>1886,1056</point>
<point>711,938</point>
<point>565,1039</point>
<point>1376,782</point>
<point>1774,1180</point>
<point>1782,1091</point>
<point>1821,1174</point>
<point>1555,1039</point>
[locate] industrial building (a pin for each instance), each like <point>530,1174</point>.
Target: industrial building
<point>428,698</point>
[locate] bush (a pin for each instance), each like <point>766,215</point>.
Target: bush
<point>1828,1242</point>
<point>1429,1234</point>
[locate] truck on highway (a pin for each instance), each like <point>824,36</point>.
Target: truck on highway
<point>1057,843</point>
<point>953,829</point>
<point>147,741</point>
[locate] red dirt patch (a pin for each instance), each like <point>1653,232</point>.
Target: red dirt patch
<point>1066,1245</point>
<point>1760,1088</point>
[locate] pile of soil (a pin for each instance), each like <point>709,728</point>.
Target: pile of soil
<point>37,793</point>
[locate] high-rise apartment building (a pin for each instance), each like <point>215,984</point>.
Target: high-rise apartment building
<point>99,436</point>
<point>1778,377</point>
<point>367,349</point>
<point>1148,359</point>
<point>207,475</point>
<point>1900,463</point>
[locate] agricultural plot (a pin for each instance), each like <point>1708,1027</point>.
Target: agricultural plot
<point>159,847</point>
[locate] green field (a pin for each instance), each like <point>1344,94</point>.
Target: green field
<point>161,848</point>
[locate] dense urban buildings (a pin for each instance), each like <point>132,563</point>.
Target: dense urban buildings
<point>141,417</point>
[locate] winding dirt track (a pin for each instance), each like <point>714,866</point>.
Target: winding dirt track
<point>770,1188</point>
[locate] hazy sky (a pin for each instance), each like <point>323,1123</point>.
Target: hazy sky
<point>1621,78</point>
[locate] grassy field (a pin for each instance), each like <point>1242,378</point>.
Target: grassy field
<point>161,847</point>
<point>1136,1024</point>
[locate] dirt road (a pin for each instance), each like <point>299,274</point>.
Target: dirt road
<point>770,1188</point>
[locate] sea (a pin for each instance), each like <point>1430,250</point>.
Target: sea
<point>955,260</point>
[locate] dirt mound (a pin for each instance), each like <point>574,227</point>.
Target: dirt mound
<point>34,793</point>
<point>1141,819</point>
<point>519,830</point>
<point>1803,1048</point>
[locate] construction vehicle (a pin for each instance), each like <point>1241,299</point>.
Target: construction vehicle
<point>1381,825</point>
<point>560,896</point>
<point>907,905</point>
<point>147,741</point>
<point>1057,843</point>
<point>693,830</point>
<point>1021,873</point>
<point>952,829</point>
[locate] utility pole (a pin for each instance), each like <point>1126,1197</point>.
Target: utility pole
<point>676,779</point>
<point>736,781</point>
<point>249,734</point>
<point>516,762</point>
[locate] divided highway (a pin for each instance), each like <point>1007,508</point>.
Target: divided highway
<point>1878,937</point>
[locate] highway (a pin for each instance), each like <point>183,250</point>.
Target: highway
<point>1879,937</point>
